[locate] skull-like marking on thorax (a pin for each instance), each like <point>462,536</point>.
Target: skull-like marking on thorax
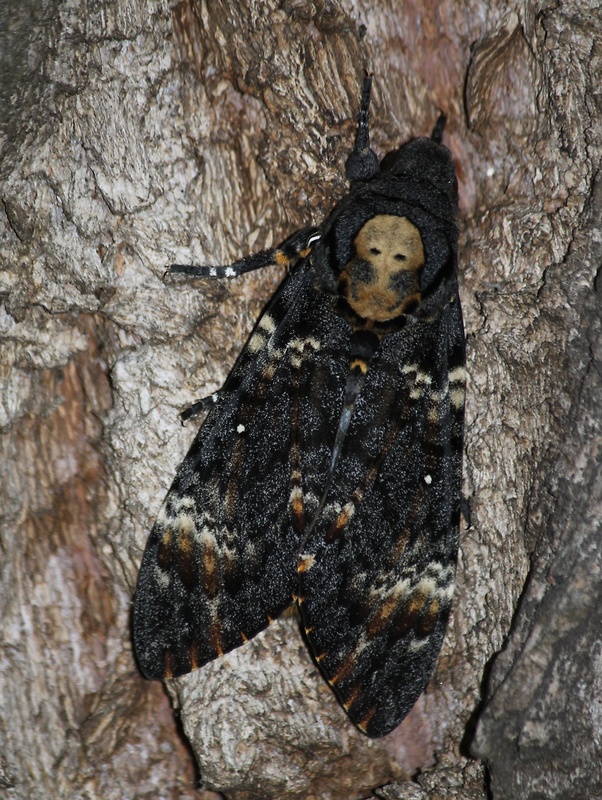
<point>382,281</point>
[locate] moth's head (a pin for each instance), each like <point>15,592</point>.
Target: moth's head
<point>390,245</point>
<point>427,164</point>
<point>382,279</point>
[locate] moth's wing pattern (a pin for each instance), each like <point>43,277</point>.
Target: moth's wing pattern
<point>376,575</point>
<point>221,559</point>
<point>328,469</point>
<point>218,563</point>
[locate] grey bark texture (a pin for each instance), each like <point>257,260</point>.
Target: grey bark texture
<point>135,134</point>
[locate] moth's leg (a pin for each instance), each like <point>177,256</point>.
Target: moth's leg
<point>204,404</point>
<point>298,246</point>
<point>292,250</point>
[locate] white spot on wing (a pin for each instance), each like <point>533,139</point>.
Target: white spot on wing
<point>332,510</point>
<point>296,494</point>
<point>457,375</point>
<point>162,577</point>
<point>401,588</point>
<point>184,523</point>
<point>267,323</point>
<point>436,567</point>
<point>438,397</point>
<point>427,586</point>
<point>456,398</point>
<point>446,593</point>
<point>296,344</point>
<point>206,538</point>
<point>306,562</point>
<point>256,342</point>
<point>240,429</point>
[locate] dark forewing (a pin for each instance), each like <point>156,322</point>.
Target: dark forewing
<point>221,560</point>
<point>377,573</point>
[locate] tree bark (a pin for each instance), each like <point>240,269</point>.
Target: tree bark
<point>140,134</point>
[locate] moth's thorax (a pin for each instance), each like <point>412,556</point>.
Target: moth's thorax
<point>382,280</point>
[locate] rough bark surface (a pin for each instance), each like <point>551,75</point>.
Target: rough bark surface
<point>137,133</point>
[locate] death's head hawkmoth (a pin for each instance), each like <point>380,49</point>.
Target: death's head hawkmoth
<point>327,472</point>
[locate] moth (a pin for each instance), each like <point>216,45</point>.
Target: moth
<point>327,472</point>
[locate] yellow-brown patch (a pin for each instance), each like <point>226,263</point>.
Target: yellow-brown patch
<point>297,501</point>
<point>164,555</point>
<point>360,364</point>
<point>417,603</point>
<point>410,523</point>
<point>282,259</point>
<point>353,696</point>
<point>382,280</point>
<point>268,371</point>
<point>306,562</point>
<point>195,655</point>
<point>184,542</point>
<point>344,671</point>
<point>383,615</point>
<point>429,618</point>
<point>338,526</point>
<point>210,574</point>
<point>365,721</point>
<point>168,664</point>
<point>186,562</point>
<point>215,638</point>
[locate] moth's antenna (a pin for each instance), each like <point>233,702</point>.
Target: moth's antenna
<point>437,133</point>
<point>362,163</point>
